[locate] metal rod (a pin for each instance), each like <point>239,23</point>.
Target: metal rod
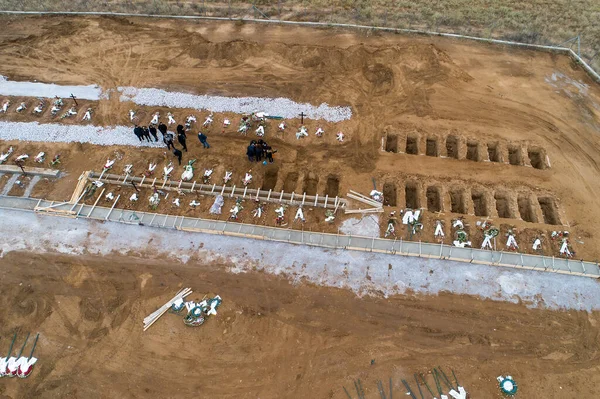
<point>418,386</point>
<point>410,392</point>
<point>23,347</point>
<point>11,345</point>
<point>34,345</point>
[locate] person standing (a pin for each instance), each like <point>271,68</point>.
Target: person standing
<point>181,139</point>
<point>178,154</point>
<point>258,150</point>
<point>163,129</point>
<point>203,139</point>
<point>146,133</point>
<point>180,130</point>
<point>168,139</point>
<point>139,132</point>
<point>250,152</point>
<point>153,133</point>
<point>269,153</point>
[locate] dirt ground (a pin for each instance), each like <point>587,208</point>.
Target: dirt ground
<point>460,129</point>
<point>468,130</point>
<point>271,339</point>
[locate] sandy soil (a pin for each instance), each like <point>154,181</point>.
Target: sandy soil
<point>271,339</point>
<point>409,95</point>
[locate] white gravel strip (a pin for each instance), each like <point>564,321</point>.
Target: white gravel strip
<point>57,133</point>
<point>361,272</point>
<point>273,106</point>
<point>48,90</point>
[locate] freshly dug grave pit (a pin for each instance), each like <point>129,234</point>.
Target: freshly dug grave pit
<point>390,194</point>
<point>270,179</point>
<point>549,210</point>
<point>493,153</point>
<point>503,206</point>
<point>291,181</point>
<point>472,151</point>
<point>537,158</point>
<point>412,196</point>
<point>526,209</point>
<point>391,143</point>
<point>412,145</point>
<point>431,148</point>
<point>514,155</point>
<point>479,203</point>
<point>457,201</point>
<point>433,199</point>
<point>333,186</point>
<point>452,147</point>
<point>311,181</point>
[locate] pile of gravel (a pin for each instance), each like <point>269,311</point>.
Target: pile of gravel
<point>56,133</point>
<point>48,90</point>
<point>273,106</point>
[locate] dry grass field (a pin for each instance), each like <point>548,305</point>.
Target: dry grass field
<point>534,21</point>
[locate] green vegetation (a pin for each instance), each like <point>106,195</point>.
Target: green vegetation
<point>531,21</point>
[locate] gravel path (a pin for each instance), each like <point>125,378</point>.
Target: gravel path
<point>57,133</point>
<point>48,90</point>
<point>273,106</point>
<point>363,273</point>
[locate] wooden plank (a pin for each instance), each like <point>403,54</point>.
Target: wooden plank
<point>29,170</point>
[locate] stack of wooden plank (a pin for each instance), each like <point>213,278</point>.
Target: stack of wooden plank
<point>148,321</point>
<point>375,207</point>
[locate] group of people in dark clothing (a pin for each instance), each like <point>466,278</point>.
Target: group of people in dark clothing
<point>144,133</point>
<point>257,150</point>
